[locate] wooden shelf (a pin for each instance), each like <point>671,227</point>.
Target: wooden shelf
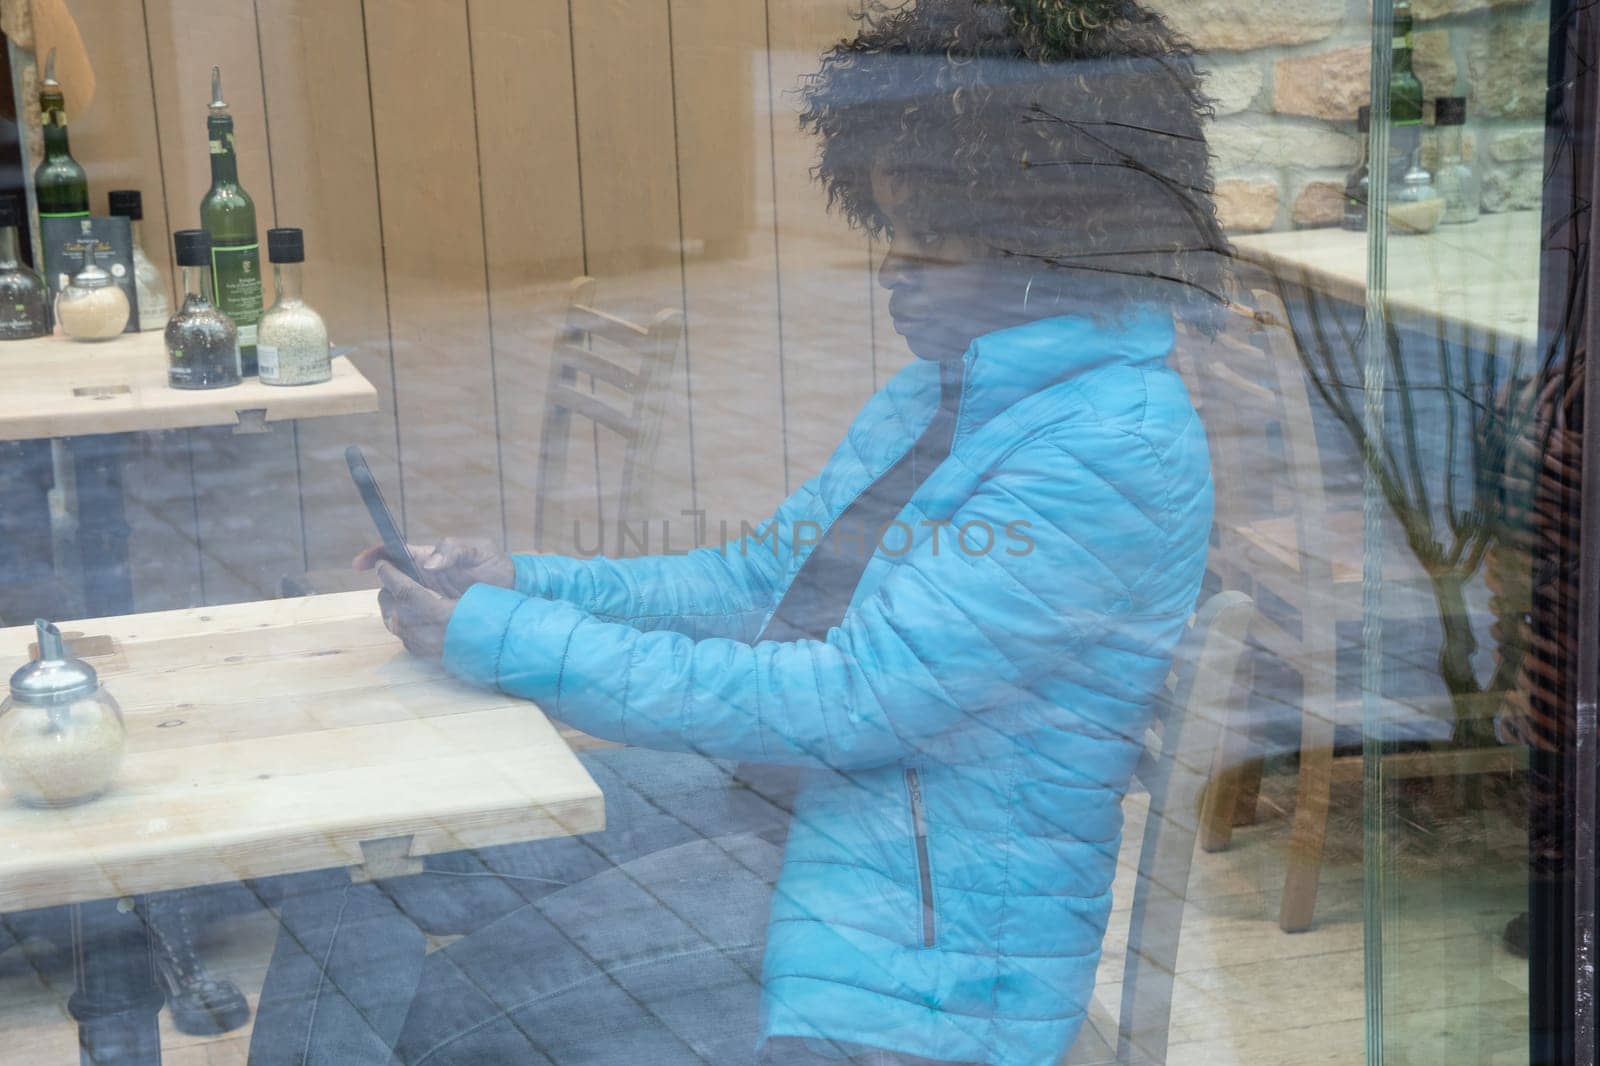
<point>55,387</point>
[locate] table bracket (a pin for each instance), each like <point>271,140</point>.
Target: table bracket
<point>252,420</point>
<point>385,858</point>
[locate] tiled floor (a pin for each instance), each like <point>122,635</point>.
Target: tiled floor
<point>1245,993</point>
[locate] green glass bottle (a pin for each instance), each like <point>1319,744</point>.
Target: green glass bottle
<point>59,182</point>
<point>229,215</point>
<point>1405,100</point>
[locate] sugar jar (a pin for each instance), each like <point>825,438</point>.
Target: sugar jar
<point>61,733</point>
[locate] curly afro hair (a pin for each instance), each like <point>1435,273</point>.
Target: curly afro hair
<point>1065,132</point>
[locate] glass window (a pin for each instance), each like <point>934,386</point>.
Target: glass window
<point>942,531</point>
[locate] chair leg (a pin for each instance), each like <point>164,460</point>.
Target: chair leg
<point>1310,819</point>
<point>1229,798</point>
<point>1222,795</point>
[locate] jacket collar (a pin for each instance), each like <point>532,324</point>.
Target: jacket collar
<point>1008,365</point>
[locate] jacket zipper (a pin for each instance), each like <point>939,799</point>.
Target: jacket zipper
<point>919,828</point>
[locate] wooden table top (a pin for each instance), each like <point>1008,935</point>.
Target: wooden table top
<point>280,737</point>
<point>1483,275</point>
<point>55,387</point>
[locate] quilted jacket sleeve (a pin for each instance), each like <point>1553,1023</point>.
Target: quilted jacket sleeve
<point>949,631</point>
<point>723,591</point>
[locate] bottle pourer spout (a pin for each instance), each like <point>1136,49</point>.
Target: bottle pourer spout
<point>50,68</point>
<point>217,103</point>
<point>51,646</point>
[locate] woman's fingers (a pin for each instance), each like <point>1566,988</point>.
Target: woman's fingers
<point>377,553</point>
<point>417,615</point>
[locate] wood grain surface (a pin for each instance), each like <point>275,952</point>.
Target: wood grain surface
<point>279,737</point>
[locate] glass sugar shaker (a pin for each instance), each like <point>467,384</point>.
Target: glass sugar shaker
<point>61,733</point>
<point>93,306</point>
<point>1416,206</point>
<point>292,341</point>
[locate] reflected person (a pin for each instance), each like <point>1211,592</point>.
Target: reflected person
<point>955,631</point>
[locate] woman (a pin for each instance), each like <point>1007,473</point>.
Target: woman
<point>962,662</point>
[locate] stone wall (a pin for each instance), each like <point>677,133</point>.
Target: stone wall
<point>1288,75</point>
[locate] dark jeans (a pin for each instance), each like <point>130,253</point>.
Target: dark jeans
<point>639,944</point>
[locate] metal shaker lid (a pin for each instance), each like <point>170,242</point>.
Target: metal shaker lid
<point>53,679</point>
<point>93,275</point>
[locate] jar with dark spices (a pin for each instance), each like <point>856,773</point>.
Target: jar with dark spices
<point>202,342</point>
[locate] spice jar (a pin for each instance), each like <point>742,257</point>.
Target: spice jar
<point>61,733</point>
<point>24,297</point>
<point>92,307</point>
<point>149,285</point>
<point>292,341</point>
<point>202,342</point>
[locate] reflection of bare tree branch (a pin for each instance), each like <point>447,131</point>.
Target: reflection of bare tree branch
<point>1486,410</point>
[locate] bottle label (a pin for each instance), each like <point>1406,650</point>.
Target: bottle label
<point>236,274</point>
<point>222,145</point>
<point>267,362</point>
<point>179,370</point>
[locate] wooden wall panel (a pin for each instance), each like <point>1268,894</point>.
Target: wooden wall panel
<point>247,486</point>
<point>528,160</point>
<point>491,151</point>
<point>731,288</point>
<point>420,69</point>
<point>313,61</point>
<point>825,272</point>
<point>117,139</point>
<point>627,142</point>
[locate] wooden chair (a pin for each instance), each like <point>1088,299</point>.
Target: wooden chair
<point>1277,540</point>
<point>1194,713</point>
<point>627,367</point>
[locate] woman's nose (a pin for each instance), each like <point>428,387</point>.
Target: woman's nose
<point>892,270</point>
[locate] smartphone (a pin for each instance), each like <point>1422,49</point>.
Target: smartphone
<point>389,531</point>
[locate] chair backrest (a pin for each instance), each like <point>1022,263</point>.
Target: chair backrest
<point>1273,539</point>
<point>1195,709</point>
<point>614,375</point>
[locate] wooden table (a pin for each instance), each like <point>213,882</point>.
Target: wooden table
<point>1483,275</point>
<point>91,395</point>
<point>271,738</point>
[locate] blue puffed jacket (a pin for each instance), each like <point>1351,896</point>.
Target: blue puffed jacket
<point>971,724</point>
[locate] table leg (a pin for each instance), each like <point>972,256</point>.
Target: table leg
<point>102,524</point>
<point>28,588</point>
<point>117,1002</point>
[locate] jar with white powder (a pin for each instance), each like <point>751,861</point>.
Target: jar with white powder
<point>292,342</point>
<point>61,733</point>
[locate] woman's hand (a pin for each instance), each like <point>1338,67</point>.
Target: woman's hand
<point>418,616</point>
<point>452,566</point>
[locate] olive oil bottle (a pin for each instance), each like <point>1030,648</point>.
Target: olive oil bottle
<point>59,181</point>
<point>1405,100</point>
<point>228,214</point>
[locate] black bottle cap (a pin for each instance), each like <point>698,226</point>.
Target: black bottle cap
<point>9,215</point>
<point>286,246</point>
<point>193,247</point>
<point>1364,118</point>
<point>1450,111</point>
<point>126,203</point>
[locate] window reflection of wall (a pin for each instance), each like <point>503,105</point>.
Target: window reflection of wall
<point>454,166</point>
